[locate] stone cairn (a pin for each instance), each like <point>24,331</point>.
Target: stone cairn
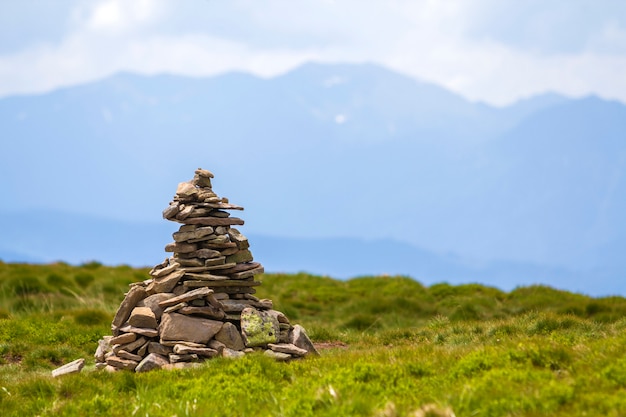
<point>199,303</point>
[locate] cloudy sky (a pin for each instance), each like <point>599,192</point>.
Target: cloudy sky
<point>495,51</point>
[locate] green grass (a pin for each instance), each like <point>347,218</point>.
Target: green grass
<point>534,351</point>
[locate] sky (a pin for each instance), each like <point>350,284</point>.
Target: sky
<point>494,51</point>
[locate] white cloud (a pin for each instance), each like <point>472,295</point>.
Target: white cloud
<point>431,40</point>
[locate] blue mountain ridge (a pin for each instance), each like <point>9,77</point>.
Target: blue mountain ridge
<point>77,239</point>
<point>335,151</point>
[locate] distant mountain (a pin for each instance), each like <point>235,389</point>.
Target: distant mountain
<point>332,152</point>
<point>77,239</point>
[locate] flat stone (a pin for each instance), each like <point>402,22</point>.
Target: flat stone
<point>247,274</point>
<point>185,211</point>
<point>215,221</point>
<point>172,343</point>
<point>176,326</point>
<point>203,173</point>
<point>181,247</point>
<point>119,363</point>
<point>161,270</point>
<point>171,211</point>
<point>186,190</point>
<point>240,267</point>
<point>230,336</point>
<point>196,233</point>
<point>123,339</point>
<point>190,261</point>
<point>159,349</point>
<point>220,260</point>
<point>232,354</point>
<point>186,350</point>
<point>227,290</point>
<point>165,284</point>
<point>152,302</point>
<point>279,316</point>
<point>148,332</point>
<point>192,357</point>
<point>229,251</point>
<point>142,317</point>
<point>279,356</point>
<point>175,307</point>
<point>130,347</point>
<point>258,328</point>
<point>235,306</point>
<point>104,346</point>
<point>134,295</point>
<point>239,257</point>
<point>217,245</point>
<point>197,269</point>
<point>232,283</point>
<point>188,296</point>
<point>69,368</point>
<point>289,348</point>
<point>220,213</point>
<point>298,337</point>
<point>143,350</point>
<point>217,345</point>
<point>127,355</point>
<point>236,236</point>
<point>206,311</point>
<point>204,254</point>
<point>152,361</point>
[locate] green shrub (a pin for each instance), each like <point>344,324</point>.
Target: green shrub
<point>84,279</point>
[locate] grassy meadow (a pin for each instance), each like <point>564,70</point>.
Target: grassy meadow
<point>389,347</point>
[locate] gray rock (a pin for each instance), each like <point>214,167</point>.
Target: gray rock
<point>123,339</point>
<point>130,347</point>
<point>230,337</point>
<point>236,236</point>
<point>206,311</point>
<point>192,357</point>
<point>258,327</point>
<point>120,363</point>
<point>298,337</point>
<point>188,296</point>
<point>134,295</point>
<point>206,352</point>
<point>142,317</point>
<point>277,355</point>
<point>104,346</point>
<point>175,307</point>
<point>140,330</point>
<point>176,326</point>
<point>164,269</point>
<point>159,349</point>
<point>165,284</point>
<point>232,354</point>
<point>288,348</point>
<point>152,302</point>
<point>215,221</point>
<point>69,368</point>
<point>127,355</point>
<point>186,190</point>
<point>217,345</point>
<point>181,247</point>
<point>150,362</point>
<point>171,211</point>
<point>279,316</point>
<point>241,256</point>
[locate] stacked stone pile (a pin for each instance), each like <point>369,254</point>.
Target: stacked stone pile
<point>200,302</point>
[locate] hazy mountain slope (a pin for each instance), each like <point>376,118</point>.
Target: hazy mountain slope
<point>333,151</point>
